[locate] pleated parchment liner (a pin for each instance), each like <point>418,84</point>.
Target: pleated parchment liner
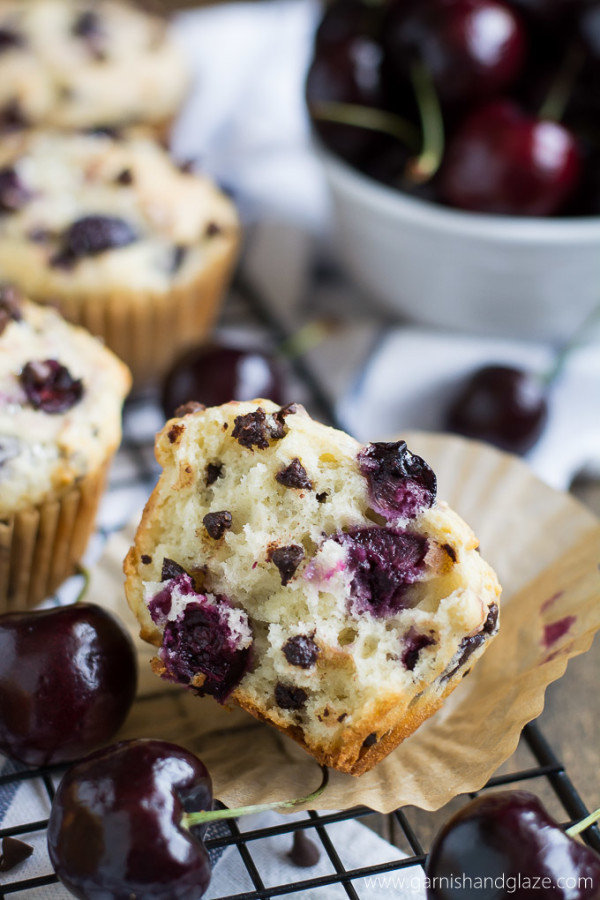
<point>40,546</point>
<point>545,547</point>
<point>148,329</point>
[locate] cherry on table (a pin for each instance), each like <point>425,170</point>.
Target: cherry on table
<point>472,48</point>
<point>117,829</point>
<point>67,681</point>
<point>501,160</point>
<point>216,373</point>
<point>503,405</point>
<point>506,844</point>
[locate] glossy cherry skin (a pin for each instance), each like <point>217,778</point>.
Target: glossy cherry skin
<point>214,374</point>
<point>115,828</point>
<point>501,160</point>
<point>472,48</point>
<point>509,838</point>
<point>502,405</point>
<point>67,681</point>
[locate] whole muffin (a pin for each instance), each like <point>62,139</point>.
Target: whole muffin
<point>317,583</point>
<point>118,237</point>
<point>61,393</point>
<point>80,64</point>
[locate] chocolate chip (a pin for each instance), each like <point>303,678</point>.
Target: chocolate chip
<point>301,651</point>
<point>213,471</point>
<point>92,235</point>
<point>450,551</point>
<point>88,27</point>
<point>10,39</point>
<point>13,193</point>
<point>125,177</point>
<point>304,852</point>
<point>187,408</point>
<point>217,523</point>
<point>187,166</point>
<point>50,386</point>
<point>13,853</point>
<point>289,697</point>
<point>171,569</point>
<point>175,433</point>
<point>12,117</point>
<point>287,560</point>
<point>322,497</point>
<point>414,642</point>
<point>179,254</point>
<point>342,717</point>
<point>10,305</point>
<point>370,740</point>
<point>294,475</point>
<point>146,560</point>
<point>252,430</point>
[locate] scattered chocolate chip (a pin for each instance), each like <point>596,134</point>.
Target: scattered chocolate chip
<point>322,497</point>
<point>50,386</point>
<point>171,569</point>
<point>289,697</point>
<point>10,39</point>
<point>190,407</point>
<point>146,560</point>
<point>251,430</point>
<point>217,523</point>
<point>13,193</point>
<point>342,717</point>
<point>301,651</point>
<point>179,254</point>
<point>294,475</point>
<point>187,166</point>
<point>212,229</point>
<point>10,305</point>
<point>12,117</point>
<point>469,644</point>
<point>175,433</point>
<point>213,471</point>
<point>110,131</point>
<point>92,235</point>
<point>88,27</point>
<point>450,551</point>
<point>414,642</point>
<point>125,177</point>
<point>370,740</point>
<point>13,853</point>
<point>304,852</point>
<point>287,560</point>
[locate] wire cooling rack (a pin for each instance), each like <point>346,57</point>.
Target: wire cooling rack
<point>410,830</point>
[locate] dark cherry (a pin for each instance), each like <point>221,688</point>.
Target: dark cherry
<point>67,681</point>
<point>13,193</point>
<point>472,48</point>
<point>217,373</point>
<point>401,484</point>
<point>345,20</point>
<point>502,405</point>
<point>383,562</point>
<point>92,235</point>
<point>506,844</point>
<point>117,825</point>
<point>501,160</point>
<point>50,386</point>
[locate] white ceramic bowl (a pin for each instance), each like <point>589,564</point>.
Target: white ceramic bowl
<point>516,277</point>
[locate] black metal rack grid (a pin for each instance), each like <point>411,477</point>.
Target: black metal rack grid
<point>547,772</point>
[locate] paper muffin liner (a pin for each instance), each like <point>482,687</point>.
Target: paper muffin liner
<point>40,546</point>
<point>147,330</point>
<point>545,547</point>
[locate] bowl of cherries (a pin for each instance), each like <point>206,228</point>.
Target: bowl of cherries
<point>461,143</point>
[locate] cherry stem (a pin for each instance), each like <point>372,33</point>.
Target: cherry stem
<point>430,158</point>
<point>585,823</point>
<point>87,577</point>
<point>574,341</point>
<point>212,815</point>
<point>310,335</point>
<point>368,117</point>
<point>558,96</point>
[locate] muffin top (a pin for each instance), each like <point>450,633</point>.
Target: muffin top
<point>84,63</point>
<point>61,393</point>
<point>89,213</point>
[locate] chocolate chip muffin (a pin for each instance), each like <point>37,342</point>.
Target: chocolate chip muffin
<point>80,64</point>
<point>61,393</point>
<point>317,583</point>
<point>118,237</point>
